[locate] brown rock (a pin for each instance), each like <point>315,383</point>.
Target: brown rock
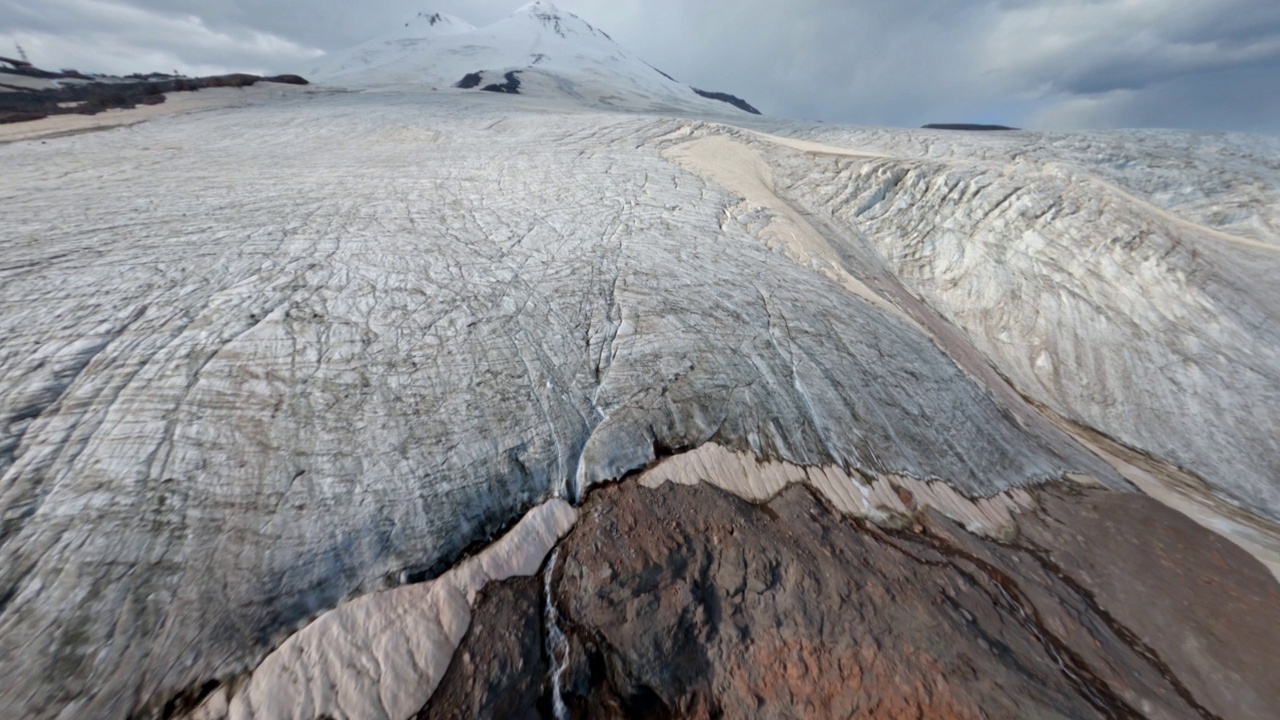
<point>797,613</point>
<point>688,602</point>
<point>1205,609</point>
<point>500,670</point>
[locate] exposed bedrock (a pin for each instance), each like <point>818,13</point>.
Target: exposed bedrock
<point>686,601</point>
<point>504,671</point>
<point>90,98</point>
<point>728,98</point>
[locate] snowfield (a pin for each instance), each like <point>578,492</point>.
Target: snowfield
<point>262,361</point>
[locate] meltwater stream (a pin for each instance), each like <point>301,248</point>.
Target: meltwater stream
<point>557,643</point>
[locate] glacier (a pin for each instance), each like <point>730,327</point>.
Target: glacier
<point>270,359</point>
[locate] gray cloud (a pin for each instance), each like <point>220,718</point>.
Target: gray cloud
<point>1243,99</point>
<point>1097,47</point>
<point>1037,63</point>
<point>117,37</point>
<point>1204,64</point>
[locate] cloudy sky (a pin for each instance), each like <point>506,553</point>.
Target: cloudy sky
<point>1059,64</point>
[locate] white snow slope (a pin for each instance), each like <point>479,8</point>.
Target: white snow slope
<point>264,361</point>
<point>555,54</point>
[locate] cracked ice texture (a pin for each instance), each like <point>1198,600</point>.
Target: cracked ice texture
<point>1124,280</point>
<point>1226,181</point>
<point>256,362</point>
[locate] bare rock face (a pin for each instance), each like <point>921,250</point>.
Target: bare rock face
<point>502,670</point>
<point>94,95</point>
<point>689,602</point>
<point>1193,599</point>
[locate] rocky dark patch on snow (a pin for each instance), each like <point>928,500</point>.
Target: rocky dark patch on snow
<point>551,20</point>
<point>469,81</point>
<point>689,602</point>
<point>727,98</point>
<point>662,73</point>
<point>967,126</point>
<point>102,93</point>
<point>510,87</point>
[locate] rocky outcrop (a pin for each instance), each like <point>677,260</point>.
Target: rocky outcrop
<point>1206,613</point>
<point>967,126</point>
<point>510,84</point>
<point>503,669</point>
<point>105,93</point>
<point>723,97</point>
<point>469,81</point>
<point>685,601</point>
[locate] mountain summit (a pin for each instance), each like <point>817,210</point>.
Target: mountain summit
<point>538,50</point>
<point>427,24</point>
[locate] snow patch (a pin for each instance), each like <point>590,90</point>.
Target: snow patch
<point>409,634</point>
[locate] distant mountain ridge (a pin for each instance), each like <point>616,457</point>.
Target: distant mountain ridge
<point>31,93</point>
<point>552,54</point>
<point>977,127</point>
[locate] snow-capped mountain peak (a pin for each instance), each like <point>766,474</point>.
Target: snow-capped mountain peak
<point>437,23</point>
<point>538,50</point>
<point>558,21</point>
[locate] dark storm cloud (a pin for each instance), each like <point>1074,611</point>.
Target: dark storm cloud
<point>1239,99</point>
<point>1207,64</point>
<point>1040,63</point>
<point>1131,44</point>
